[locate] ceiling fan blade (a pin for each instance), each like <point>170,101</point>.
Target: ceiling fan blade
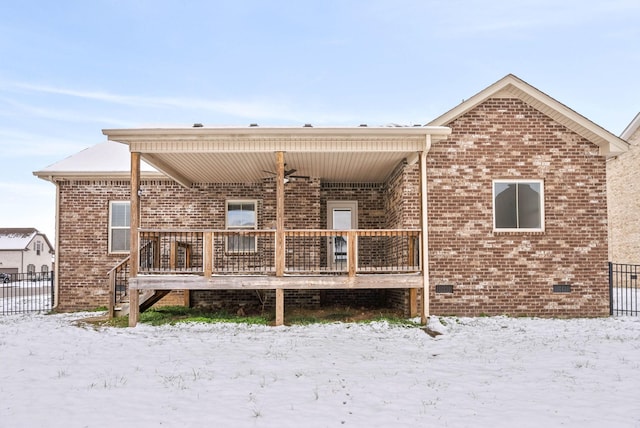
<point>299,176</point>
<point>269,172</point>
<point>289,172</point>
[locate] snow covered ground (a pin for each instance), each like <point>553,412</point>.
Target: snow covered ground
<point>497,372</point>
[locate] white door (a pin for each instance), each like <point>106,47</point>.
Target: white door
<point>341,215</point>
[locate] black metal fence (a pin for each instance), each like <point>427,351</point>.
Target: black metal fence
<point>623,289</point>
<point>26,292</point>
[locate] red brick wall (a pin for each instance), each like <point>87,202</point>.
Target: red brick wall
<point>491,272</point>
<point>84,221</point>
<point>514,273</point>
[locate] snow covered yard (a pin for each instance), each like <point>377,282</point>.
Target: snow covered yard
<point>498,372</point>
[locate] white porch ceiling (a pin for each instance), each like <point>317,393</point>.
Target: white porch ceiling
<point>252,167</point>
<point>244,155</point>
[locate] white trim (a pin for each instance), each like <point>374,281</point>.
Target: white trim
<point>331,206</point>
<point>516,181</point>
<point>352,205</point>
<point>227,227</point>
<point>111,227</point>
<point>631,128</point>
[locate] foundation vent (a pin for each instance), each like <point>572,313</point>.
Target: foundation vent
<point>444,289</point>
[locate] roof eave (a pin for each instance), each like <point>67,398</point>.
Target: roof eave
<point>54,176</point>
<point>200,133</point>
<point>610,145</point>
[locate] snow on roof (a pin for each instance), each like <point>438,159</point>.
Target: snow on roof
<point>106,157</point>
<point>17,238</point>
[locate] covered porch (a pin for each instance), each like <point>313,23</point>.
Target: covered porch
<point>273,255</point>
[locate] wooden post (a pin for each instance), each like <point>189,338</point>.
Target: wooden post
<point>207,253</point>
<point>279,306</point>
<point>413,292</point>
<point>424,253</point>
<point>112,294</point>
<point>413,303</point>
<point>280,214</point>
<point>134,307</point>
<point>352,256</point>
<point>134,249</point>
<point>173,255</point>
<point>186,295</point>
<point>280,260</point>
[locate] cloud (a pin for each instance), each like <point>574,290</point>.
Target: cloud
<point>58,114</point>
<point>24,144</point>
<point>250,109</point>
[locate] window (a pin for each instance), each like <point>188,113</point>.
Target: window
<point>44,269</point>
<point>31,270</point>
<point>38,247</point>
<point>119,225</point>
<point>241,215</point>
<point>518,205</point>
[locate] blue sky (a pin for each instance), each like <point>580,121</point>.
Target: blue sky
<point>71,68</point>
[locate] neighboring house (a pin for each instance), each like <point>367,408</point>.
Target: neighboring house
<point>496,207</point>
<point>623,188</point>
<point>25,251</point>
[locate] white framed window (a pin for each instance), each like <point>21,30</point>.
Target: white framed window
<point>518,205</point>
<point>119,226</point>
<point>241,215</point>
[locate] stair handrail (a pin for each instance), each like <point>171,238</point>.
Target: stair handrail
<point>112,275</point>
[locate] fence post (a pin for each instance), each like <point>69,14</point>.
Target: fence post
<point>610,288</point>
<point>53,290</point>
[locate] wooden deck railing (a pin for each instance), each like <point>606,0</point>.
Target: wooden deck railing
<point>118,278</point>
<point>253,252</point>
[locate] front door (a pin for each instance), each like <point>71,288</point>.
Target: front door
<point>341,215</point>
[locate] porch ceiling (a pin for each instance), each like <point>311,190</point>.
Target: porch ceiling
<point>243,155</point>
<point>253,167</point>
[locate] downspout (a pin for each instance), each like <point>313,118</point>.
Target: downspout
<point>424,248</point>
<point>56,264</point>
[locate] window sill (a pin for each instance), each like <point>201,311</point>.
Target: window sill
<point>519,231</point>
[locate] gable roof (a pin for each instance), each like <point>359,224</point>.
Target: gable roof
<point>511,86</point>
<point>17,239</point>
<point>631,128</point>
<point>107,159</point>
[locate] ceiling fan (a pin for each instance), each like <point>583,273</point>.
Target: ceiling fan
<point>288,173</point>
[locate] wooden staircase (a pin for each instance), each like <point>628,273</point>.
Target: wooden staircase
<point>118,279</point>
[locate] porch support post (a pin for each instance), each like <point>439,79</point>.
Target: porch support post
<point>134,224</point>
<point>208,254</point>
<point>352,246</point>
<point>424,253</point>
<point>279,306</point>
<point>280,234</point>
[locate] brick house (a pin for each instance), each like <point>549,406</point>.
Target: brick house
<point>25,250</point>
<point>623,188</point>
<point>496,207</point>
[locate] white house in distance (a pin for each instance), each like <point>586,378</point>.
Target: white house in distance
<point>25,250</point>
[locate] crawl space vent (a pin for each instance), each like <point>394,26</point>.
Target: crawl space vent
<point>444,288</point>
<point>562,288</point>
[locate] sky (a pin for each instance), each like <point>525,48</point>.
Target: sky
<point>480,372</point>
<point>69,69</point>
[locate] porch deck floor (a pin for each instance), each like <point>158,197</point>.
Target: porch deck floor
<point>289,282</point>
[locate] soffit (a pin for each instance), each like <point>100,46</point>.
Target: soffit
<point>239,155</point>
<point>365,167</point>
